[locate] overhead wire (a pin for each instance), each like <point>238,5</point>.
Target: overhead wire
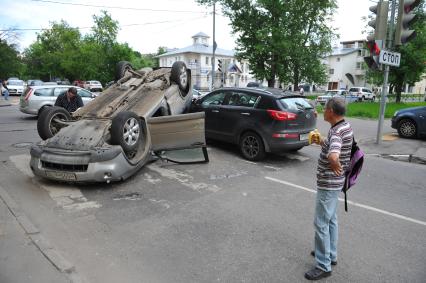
<point>118,7</point>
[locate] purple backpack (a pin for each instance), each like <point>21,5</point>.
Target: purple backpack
<point>354,170</point>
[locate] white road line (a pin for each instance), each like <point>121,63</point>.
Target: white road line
<point>352,203</point>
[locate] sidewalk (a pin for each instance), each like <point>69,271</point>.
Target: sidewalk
<point>396,148</point>
<point>20,259</point>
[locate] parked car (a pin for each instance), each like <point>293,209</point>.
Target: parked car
<point>257,120</point>
<point>93,86</point>
<point>113,136</point>
<point>362,93</point>
<point>16,87</point>
<point>78,83</point>
<point>34,82</point>
<point>37,98</point>
<point>410,122</point>
<point>344,94</point>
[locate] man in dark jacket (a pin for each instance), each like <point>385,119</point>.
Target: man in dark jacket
<point>69,100</point>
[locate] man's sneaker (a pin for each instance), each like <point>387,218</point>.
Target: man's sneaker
<point>332,262</point>
<point>316,274</point>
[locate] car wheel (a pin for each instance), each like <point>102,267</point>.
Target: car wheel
<point>407,128</point>
<point>126,131</point>
<point>373,99</point>
<point>251,146</point>
<point>121,69</point>
<point>363,98</point>
<point>50,121</point>
<point>179,75</point>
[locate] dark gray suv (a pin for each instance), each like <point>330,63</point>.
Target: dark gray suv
<point>258,120</point>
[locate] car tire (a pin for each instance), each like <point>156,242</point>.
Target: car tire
<point>126,131</point>
<point>252,147</point>
<point>121,69</point>
<point>373,99</point>
<point>407,128</point>
<point>47,126</point>
<point>179,75</point>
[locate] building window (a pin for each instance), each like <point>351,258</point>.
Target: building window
<point>331,71</point>
<point>359,53</point>
<point>358,65</point>
<point>338,59</point>
<point>207,60</point>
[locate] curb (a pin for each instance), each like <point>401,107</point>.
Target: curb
<point>45,247</point>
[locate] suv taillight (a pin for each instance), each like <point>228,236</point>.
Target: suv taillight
<point>30,91</point>
<point>281,115</point>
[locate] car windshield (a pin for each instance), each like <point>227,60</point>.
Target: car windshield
<point>295,103</point>
<point>16,82</point>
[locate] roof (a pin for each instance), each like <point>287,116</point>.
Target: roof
<point>200,34</point>
<point>343,51</point>
<point>265,90</point>
<point>201,49</point>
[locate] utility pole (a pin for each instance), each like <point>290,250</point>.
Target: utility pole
<point>389,42</point>
<point>214,46</point>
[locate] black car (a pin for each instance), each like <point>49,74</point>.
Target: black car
<point>258,120</point>
<point>410,122</point>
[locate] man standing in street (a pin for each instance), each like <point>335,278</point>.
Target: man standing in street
<point>69,100</point>
<point>334,160</point>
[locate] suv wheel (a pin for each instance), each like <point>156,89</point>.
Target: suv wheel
<point>51,121</point>
<point>407,128</point>
<point>126,131</point>
<point>251,146</point>
<point>179,75</point>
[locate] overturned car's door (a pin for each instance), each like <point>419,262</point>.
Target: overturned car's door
<point>179,138</point>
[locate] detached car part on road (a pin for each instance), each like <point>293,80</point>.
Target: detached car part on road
<point>115,134</point>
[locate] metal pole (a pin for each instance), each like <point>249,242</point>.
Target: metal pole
<point>214,46</point>
<point>389,42</point>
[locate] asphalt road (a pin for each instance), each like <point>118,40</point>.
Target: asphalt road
<point>226,221</point>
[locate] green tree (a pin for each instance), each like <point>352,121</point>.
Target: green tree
<point>10,63</point>
<point>282,40</point>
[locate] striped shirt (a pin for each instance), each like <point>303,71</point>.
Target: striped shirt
<point>339,140</point>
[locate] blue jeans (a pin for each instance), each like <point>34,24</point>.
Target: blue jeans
<point>6,94</point>
<point>326,229</point>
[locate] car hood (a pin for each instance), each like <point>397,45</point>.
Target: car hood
<point>82,135</point>
<point>411,109</point>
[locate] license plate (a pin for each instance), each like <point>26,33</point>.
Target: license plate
<point>304,137</point>
<point>61,175</point>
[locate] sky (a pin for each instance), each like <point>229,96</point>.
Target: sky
<point>148,24</point>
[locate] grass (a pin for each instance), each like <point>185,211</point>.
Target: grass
<point>372,110</point>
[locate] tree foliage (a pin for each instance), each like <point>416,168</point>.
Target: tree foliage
<point>63,52</point>
<point>282,40</point>
<point>10,63</point>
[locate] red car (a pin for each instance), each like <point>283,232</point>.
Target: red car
<point>79,83</point>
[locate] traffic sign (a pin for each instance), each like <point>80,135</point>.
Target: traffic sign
<point>389,58</point>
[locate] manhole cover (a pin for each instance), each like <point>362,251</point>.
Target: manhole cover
<point>22,144</point>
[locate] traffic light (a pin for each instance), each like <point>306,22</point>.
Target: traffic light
<point>219,65</point>
<point>372,60</point>
<point>379,24</point>
<point>405,18</point>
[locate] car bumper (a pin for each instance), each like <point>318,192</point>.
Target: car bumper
<point>28,110</point>
<point>97,165</point>
<point>394,122</point>
<point>280,144</point>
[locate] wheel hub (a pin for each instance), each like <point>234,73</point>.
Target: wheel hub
<point>131,131</point>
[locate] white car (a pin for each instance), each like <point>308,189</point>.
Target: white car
<point>16,87</point>
<point>93,86</point>
<point>362,93</point>
<point>344,94</point>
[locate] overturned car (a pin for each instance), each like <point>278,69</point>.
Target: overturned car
<point>113,136</point>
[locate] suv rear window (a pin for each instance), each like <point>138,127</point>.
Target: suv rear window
<point>295,103</point>
<point>354,89</point>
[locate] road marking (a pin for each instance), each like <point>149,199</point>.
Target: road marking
<point>272,167</point>
<point>352,203</point>
<point>184,179</point>
<point>293,156</point>
<point>65,196</point>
